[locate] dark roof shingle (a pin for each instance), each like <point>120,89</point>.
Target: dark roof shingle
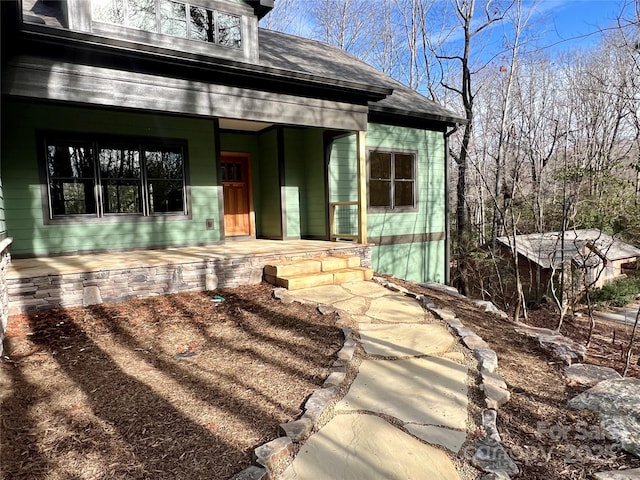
<point>302,55</point>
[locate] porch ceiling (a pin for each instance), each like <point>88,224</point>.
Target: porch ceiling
<point>96,262</point>
<point>244,125</point>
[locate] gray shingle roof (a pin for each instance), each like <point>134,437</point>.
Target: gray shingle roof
<point>289,52</point>
<point>545,249</point>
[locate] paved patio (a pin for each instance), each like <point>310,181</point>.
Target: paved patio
<point>409,376</point>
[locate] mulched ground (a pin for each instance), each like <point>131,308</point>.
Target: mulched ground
<point>175,387</point>
<point>547,439</point>
<point>182,387</point>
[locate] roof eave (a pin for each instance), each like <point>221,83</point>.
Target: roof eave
<point>420,117</point>
<point>87,41</point>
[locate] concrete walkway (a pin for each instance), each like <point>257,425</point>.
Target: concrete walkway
<point>408,403</point>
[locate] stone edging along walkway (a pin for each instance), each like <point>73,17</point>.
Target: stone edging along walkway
<point>490,456</point>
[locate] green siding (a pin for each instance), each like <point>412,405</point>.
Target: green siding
<point>418,262</point>
<point>293,188</point>
<point>429,216</point>
<point>415,261</point>
<point>305,185</point>
<point>343,170</point>
<point>268,218</point>
<point>20,171</point>
<point>314,203</point>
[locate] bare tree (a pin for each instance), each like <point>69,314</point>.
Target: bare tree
<point>627,352</point>
<point>346,24</point>
<point>466,15</point>
<point>284,17</point>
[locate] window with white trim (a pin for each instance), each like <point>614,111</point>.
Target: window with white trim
<point>392,180</point>
<point>101,177</point>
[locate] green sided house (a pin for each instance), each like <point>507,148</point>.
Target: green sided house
<point>141,139</point>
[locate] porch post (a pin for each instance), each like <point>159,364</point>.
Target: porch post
<point>362,187</point>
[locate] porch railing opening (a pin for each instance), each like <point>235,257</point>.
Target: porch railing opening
<point>343,221</point>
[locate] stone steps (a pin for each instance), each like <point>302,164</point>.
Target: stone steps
<point>314,272</point>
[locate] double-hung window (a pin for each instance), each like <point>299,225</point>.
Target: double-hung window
<point>392,180</point>
<point>103,177</point>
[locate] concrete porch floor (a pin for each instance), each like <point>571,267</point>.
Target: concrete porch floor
<point>96,262</point>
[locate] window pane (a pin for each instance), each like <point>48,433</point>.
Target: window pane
<point>119,162</point>
<point>380,165</point>
<point>111,11</point>
<point>121,196</point>
<point>72,197</point>
<point>403,193</point>
<point>71,178</point>
<point>165,163</point>
<point>166,196</point>
<point>232,172</point>
<point>165,179</point>
<point>229,30</point>
<point>142,14</point>
<point>201,24</point>
<point>67,159</point>
<point>173,18</point>
<point>404,166</point>
<point>379,193</point>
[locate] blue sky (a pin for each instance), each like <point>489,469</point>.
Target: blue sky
<point>573,23</point>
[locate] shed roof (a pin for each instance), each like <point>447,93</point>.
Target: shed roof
<point>545,249</point>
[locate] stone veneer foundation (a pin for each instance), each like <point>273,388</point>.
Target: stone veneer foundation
<point>5,260</point>
<point>117,285</point>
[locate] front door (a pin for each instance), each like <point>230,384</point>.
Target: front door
<point>236,185</point>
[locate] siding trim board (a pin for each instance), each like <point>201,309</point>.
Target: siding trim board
<point>43,78</point>
<point>218,167</point>
<point>410,238</point>
<point>281,181</point>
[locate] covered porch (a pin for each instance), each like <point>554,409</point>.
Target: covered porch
<point>43,283</point>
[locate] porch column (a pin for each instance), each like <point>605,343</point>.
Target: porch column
<point>362,187</point>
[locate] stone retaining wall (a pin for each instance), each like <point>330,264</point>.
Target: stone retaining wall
<point>66,290</point>
<point>5,260</point>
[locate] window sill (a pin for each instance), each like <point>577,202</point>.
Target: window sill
<point>116,218</point>
<point>383,210</point>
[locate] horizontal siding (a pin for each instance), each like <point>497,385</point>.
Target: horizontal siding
<point>314,204</point>
<point>429,216</point>
<point>343,170</point>
<point>294,189</point>
<point>418,262</point>
<point>20,170</point>
<point>268,219</point>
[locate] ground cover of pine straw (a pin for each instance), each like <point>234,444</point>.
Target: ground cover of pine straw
<point>547,439</point>
<point>171,387</point>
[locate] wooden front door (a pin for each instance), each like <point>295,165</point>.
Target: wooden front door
<point>236,185</point>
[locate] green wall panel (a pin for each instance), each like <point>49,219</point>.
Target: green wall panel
<point>268,219</point>
<point>22,195</point>
<point>314,200</point>
<point>294,189</point>
<point>415,261</point>
<point>418,262</point>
